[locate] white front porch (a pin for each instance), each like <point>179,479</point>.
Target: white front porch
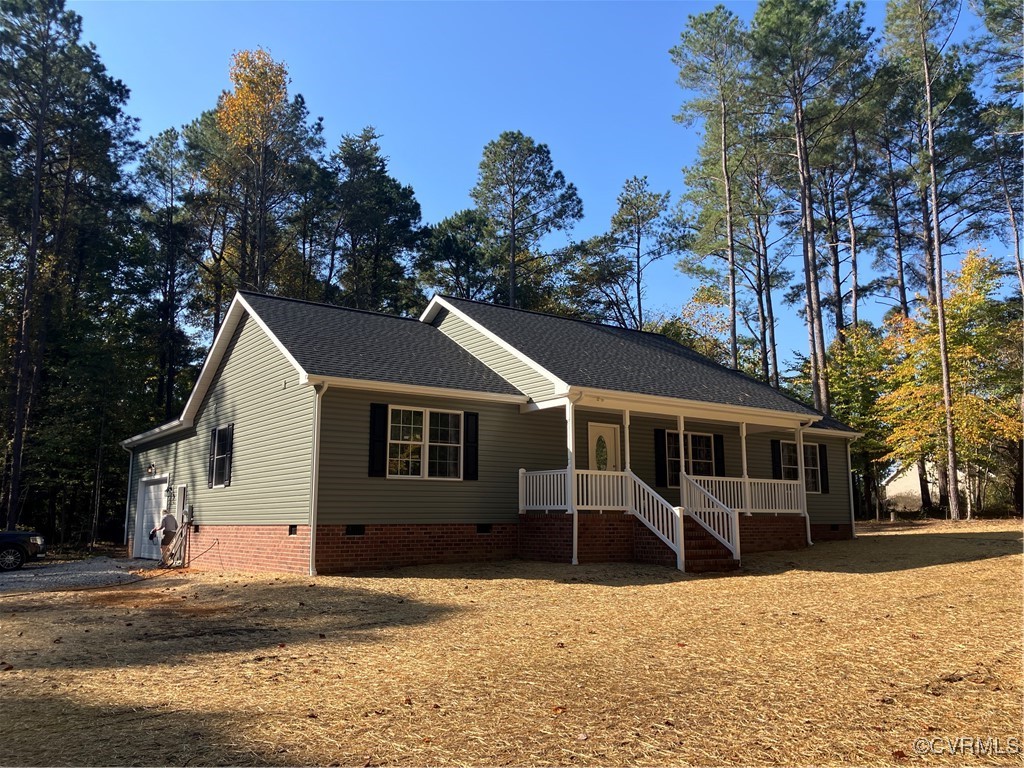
<point>604,479</point>
<point>609,492</point>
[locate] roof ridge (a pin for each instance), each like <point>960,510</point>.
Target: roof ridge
<point>562,317</point>
<point>655,334</point>
<point>326,305</point>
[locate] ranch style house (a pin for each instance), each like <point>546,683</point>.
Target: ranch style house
<point>320,439</point>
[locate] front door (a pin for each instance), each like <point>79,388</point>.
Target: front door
<point>152,498</point>
<point>604,447</point>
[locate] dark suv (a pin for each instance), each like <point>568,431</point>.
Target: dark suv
<point>17,547</point>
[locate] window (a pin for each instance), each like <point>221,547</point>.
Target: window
<point>791,467</point>
<point>219,474</point>
<point>424,443</point>
<point>698,455</point>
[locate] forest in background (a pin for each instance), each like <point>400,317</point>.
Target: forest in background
<point>829,152</point>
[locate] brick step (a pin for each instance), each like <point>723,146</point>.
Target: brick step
<point>711,566</point>
<point>707,554</point>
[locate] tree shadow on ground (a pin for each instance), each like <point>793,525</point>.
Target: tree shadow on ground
<point>55,729</point>
<point>624,574</point>
<point>170,623</point>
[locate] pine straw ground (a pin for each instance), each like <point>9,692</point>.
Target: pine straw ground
<point>845,653</point>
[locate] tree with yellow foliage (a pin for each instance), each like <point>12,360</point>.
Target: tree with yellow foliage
<point>984,347</point>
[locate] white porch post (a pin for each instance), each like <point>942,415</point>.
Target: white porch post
<point>849,475</point>
<point>680,543</point>
<point>570,477</point>
<point>746,476</point>
<point>803,482</point>
<point>625,432</point>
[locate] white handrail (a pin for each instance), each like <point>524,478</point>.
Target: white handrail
<point>661,517</point>
<point>716,518</point>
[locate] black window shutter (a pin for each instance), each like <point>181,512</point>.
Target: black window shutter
<point>777,459</point>
<point>719,442</point>
<point>213,457</point>
<point>471,446</point>
<point>229,443</point>
<point>823,467</point>
<point>378,440</point>
<point>660,459</point>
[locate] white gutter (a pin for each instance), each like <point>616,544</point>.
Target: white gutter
<point>128,495</point>
<point>694,408</point>
<point>314,474</point>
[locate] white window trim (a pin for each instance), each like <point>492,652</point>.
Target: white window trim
<point>687,454</point>
<point>817,466</point>
<point>215,454</point>
<point>425,443</point>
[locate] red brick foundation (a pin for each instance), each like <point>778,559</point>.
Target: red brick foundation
<point>249,548</point>
<point>386,546</point>
<point>609,537</point>
<point>826,532</point>
<point>648,548</point>
<point>545,537</point>
<point>765,533</point>
<point>603,538</point>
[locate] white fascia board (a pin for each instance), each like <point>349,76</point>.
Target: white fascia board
<point>672,406</point>
<point>437,303</point>
<point>558,401</point>
<point>303,377</point>
<point>415,389</point>
<point>236,311</point>
<point>835,432</point>
<point>164,429</point>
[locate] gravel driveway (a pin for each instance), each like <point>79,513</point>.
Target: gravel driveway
<point>48,575</point>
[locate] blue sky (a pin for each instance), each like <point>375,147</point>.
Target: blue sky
<point>438,80</point>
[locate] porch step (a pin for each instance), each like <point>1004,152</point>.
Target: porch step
<point>705,553</point>
<point>711,565</point>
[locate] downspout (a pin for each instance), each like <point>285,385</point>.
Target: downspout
<point>128,496</point>
<point>314,474</point>
<point>570,475</point>
<point>803,480</point>
<point>849,477</point>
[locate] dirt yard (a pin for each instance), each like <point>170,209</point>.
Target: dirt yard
<point>864,652</point>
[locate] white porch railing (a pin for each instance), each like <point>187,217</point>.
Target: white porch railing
<point>778,496</point>
<point>765,496</point>
<point>602,490</point>
<point>720,521</point>
<point>660,516</point>
<point>609,491</point>
<point>542,490</point>
<point>713,502</point>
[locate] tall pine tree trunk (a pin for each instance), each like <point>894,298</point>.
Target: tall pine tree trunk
<point>26,363</point>
<point>940,310</point>
<point>730,239</point>
<point>815,329</point>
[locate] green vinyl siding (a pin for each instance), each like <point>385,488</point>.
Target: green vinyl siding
<point>826,508</point>
<point>641,447</point>
<point>257,390</point>
<point>522,376</point>
<point>508,440</point>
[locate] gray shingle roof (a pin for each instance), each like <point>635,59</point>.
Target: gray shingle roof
<point>606,357</point>
<point>334,341</point>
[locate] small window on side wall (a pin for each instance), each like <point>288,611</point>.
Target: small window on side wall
<point>221,439</point>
